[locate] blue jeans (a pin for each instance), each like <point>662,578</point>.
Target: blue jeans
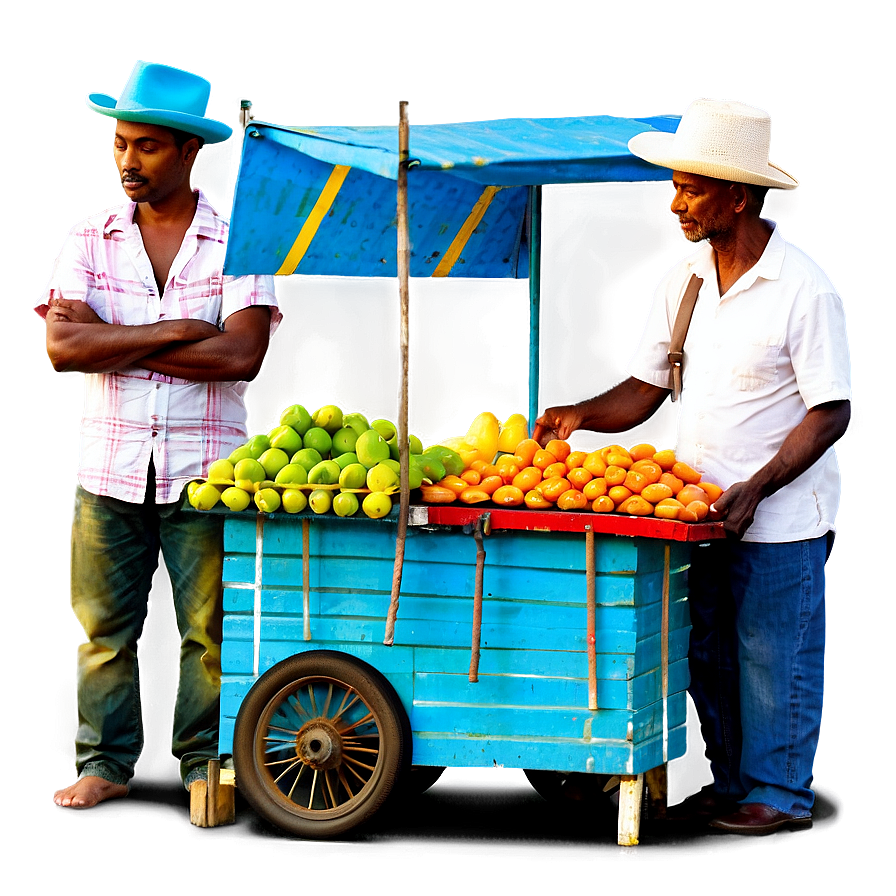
<point>115,551</point>
<point>756,660</point>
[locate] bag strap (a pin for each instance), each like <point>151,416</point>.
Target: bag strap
<point>680,332</point>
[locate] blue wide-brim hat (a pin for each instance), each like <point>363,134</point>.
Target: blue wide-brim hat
<point>164,96</point>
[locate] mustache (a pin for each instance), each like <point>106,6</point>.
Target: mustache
<point>132,176</point>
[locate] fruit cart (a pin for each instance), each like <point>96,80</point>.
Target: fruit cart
<point>363,656</point>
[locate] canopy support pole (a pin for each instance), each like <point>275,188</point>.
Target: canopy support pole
<point>404,255</point>
<point>534,241</point>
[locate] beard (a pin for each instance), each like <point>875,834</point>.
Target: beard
<point>712,228</point>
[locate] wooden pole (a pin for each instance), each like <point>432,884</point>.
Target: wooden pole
<point>403,260</point>
<point>591,604</point>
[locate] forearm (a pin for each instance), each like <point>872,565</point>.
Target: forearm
<point>808,441</point>
<point>622,407</point>
<point>618,409</point>
<point>217,359</point>
<point>234,353</point>
<point>102,347</point>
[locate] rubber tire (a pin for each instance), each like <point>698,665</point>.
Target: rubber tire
<point>271,691</point>
<point>572,789</point>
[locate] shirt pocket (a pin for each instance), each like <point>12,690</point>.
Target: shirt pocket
<point>756,366</point>
<point>199,299</point>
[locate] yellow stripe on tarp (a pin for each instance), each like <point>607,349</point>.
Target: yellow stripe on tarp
<point>443,268</point>
<point>313,221</point>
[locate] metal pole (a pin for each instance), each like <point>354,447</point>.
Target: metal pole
<point>403,260</point>
<point>534,299</point>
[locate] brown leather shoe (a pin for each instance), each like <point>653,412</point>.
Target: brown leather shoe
<point>700,808</point>
<point>757,818</point>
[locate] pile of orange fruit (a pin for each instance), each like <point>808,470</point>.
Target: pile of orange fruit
<point>639,481</point>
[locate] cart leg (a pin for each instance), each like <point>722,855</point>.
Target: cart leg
<point>631,790</point>
<point>212,802</point>
<point>657,783</point>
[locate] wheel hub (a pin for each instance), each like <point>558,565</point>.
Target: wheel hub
<point>319,744</point>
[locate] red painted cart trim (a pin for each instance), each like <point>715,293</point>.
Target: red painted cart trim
<point>563,521</point>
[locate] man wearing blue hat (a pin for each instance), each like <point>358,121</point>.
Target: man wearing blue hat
<point>764,382</point>
<point>139,303</point>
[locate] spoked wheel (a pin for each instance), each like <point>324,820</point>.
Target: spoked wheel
<point>320,741</point>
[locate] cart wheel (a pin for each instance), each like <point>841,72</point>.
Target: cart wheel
<point>320,741</point>
<point>574,788</point>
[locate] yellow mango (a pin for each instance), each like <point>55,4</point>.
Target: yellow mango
<point>483,435</point>
<point>514,430</point>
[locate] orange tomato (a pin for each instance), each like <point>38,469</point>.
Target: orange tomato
<point>692,493</point>
<point>543,458</point>
<point>595,488</point>
<point>639,452</point>
<point>553,488</point>
<point>613,449</point>
<point>455,483</point>
<point>636,506</point>
<point>535,500</point>
<point>559,448</point>
<point>508,469</point>
<point>576,459</point>
<point>525,451</point>
<point>615,459</point>
<point>477,464</point>
<point>579,477</point>
<point>527,478</point>
<point>618,494</point>
<point>668,509</point>
<point>491,484</point>
<point>603,504</point>
<point>595,464</point>
<point>472,494</point>
<point>615,475</point>
<point>471,477</point>
<point>666,459</point>
<point>635,481</point>
<point>649,468</point>
<point>508,496</point>
<point>556,469</point>
<point>686,473</point>
<point>656,492</point>
<point>572,499</point>
<point>437,494</point>
<point>713,491</point>
<point>687,516</point>
<point>699,509</point>
<point>488,470</point>
<point>673,482</point>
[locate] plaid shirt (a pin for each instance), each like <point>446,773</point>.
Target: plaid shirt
<point>133,415</point>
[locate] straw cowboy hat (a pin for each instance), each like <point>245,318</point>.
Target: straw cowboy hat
<point>719,139</point>
<point>165,96</point>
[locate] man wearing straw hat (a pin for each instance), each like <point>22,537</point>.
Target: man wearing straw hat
<point>765,393</point>
<point>139,303</point>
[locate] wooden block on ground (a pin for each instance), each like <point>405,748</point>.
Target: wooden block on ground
<point>212,802</point>
<point>631,791</point>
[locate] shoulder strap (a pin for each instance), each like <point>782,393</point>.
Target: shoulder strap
<point>680,331</point>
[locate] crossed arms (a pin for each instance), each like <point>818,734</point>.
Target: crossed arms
<point>79,340</point>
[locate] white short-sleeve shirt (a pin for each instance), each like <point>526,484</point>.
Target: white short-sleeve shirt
<point>755,360</point>
<point>133,414</point>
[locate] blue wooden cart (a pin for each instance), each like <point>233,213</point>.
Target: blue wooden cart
<point>361,657</point>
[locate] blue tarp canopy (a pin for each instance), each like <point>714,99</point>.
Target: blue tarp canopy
<point>323,200</point>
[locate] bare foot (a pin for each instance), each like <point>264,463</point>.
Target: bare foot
<point>88,791</point>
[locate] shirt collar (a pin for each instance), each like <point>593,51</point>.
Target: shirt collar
<point>206,222</point>
<point>769,265</point>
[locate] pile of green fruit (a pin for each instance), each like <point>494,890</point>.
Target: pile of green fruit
<point>325,461</point>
